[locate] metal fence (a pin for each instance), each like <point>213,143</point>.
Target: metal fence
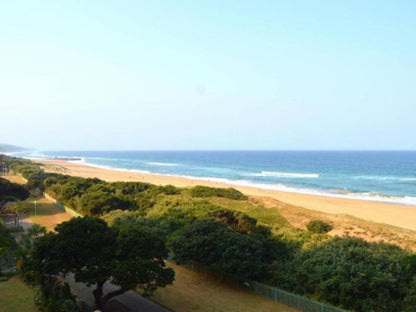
<point>299,302</point>
<point>296,301</point>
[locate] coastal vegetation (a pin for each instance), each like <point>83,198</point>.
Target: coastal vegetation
<point>205,191</point>
<point>11,195</point>
<point>7,248</point>
<point>232,237</point>
<point>11,192</point>
<point>131,256</point>
<point>319,226</point>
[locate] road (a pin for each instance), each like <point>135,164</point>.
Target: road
<point>130,301</point>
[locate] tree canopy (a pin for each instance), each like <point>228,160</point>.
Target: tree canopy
<point>221,230</point>
<point>131,257</point>
<point>225,251</point>
<point>11,192</point>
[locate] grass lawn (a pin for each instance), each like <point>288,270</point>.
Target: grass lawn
<point>16,296</point>
<point>47,213</point>
<point>193,291</point>
<point>14,178</point>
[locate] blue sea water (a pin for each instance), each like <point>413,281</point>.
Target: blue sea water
<point>388,176</point>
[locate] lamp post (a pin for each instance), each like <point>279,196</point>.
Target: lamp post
<point>35,208</point>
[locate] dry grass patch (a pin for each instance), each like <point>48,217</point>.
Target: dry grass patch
<point>193,291</point>
<point>344,225</point>
<point>14,179</point>
<point>47,213</point>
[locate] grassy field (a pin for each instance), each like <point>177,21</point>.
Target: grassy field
<point>199,292</point>
<point>14,178</point>
<point>16,296</point>
<point>47,213</point>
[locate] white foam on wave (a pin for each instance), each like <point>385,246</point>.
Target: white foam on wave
<point>286,174</point>
<point>86,163</point>
<point>36,155</point>
<point>385,178</point>
<point>162,164</point>
<point>408,179</point>
<point>370,196</point>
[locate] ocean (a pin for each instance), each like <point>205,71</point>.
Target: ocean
<point>388,176</point>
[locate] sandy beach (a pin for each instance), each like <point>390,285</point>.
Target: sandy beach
<point>392,214</point>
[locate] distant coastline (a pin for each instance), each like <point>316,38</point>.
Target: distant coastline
<point>394,214</point>
<point>406,201</point>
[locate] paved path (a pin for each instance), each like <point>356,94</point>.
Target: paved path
<point>130,300</point>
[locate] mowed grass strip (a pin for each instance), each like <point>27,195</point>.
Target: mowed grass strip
<point>193,291</point>
<point>16,296</point>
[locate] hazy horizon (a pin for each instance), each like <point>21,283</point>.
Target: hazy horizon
<point>208,76</point>
<point>214,150</point>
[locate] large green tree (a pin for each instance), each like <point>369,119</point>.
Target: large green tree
<point>354,274</point>
<point>131,257</point>
<point>10,192</point>
<point>223,250</point>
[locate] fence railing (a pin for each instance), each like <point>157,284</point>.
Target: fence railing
<point>293,300</point>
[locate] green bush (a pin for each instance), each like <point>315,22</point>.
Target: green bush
<point>319,227</point>
<point>205,191</point>
<point>17,229</point>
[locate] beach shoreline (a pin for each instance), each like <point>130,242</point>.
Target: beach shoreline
<point>393,214</point>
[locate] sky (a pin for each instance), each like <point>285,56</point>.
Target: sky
<point>202,75</point>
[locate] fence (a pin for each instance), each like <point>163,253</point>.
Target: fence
<point>62,206</point>
<point>299,302</point>
<point>296,301</point>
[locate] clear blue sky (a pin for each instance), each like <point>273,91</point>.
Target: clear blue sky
<point>84,75</point>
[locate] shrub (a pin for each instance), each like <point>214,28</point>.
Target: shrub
<point>205,191</point>
<point>319,227</point>
<point>164,189</point>
<point>16,229</point>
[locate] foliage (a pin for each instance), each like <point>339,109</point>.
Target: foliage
<point>205,191</point>
<point>16,229</point>
<point>99,202</point>
<point>223,250</point>
<point>28,239</point>
<point>130,257</point>
<point>55,296</point>
<point>164,189</point>
<point>18,209</point>
<point>220,229</point>
<point>237,221</point>
<point>11,192</point>
<point>319,227</point>
<point>6,240</point>
<point>354,274</point>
